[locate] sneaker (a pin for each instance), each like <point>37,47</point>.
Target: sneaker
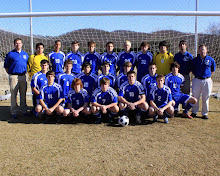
<point>14,116</point>
<point>186,115</point>
<point>138,118</point>
<point>155,119</point>
<point>98,121</point>
<point>205,117</point>
<point>166,120</point>
<point>194,115</point>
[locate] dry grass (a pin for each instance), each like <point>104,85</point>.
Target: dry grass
<point>183,147</point>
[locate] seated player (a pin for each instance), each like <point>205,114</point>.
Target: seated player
<point>131,96</point>
<point>143,59</point>
<point>50,98</point>
<point>38,81</point>
<point>126,56</point>
<point>110,56</point>
<point>88,78</point>
<point>76,57</point>
<point>122,77</point>
<point>161,100</point>
<point>78,100</point>
<point>57,58</point>
<point>65,79</point>
<point>175,81</point>
<point>149,80</point>
<point>105,73</point>
<point>92,57</point>
<point>104,100</point>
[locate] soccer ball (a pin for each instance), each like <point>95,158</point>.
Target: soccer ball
<point>123,121</point>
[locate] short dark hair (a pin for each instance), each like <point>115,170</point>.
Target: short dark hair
<point>75,42</point>
<point>145,43</point>
<point>68,61</point>
<point>202,46</point>
<point>104,80</point>
<point>174,64</point>
<point>105,63</point>
<point>50,73</point>
<point>131,72</point>
<point>39,44</point>
<point>163,43</point>
<point>15,40</point>
<point>151,63</point>
<point>44,61</point>
<point>160,76</point>
<point>182,42</point>
<point>109,43</point>
<point>127,64</point>
<point>85,64</point>
<point>57,41</point>
<point>91,43</point>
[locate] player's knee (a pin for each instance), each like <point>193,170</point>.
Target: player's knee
<point>38,108</point>
<point>151,111</point>
<point>66,112</point>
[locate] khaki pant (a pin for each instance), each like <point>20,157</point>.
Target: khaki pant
<point>18,83</point>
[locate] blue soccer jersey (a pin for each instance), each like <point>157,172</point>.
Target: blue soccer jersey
<point>131,92</point>
<point>65,81</point>
<point>93,59</point>
<point>39,80</point>
<point>77,59</point>
<point>126,57</point>
<point>121,78</point>
<point>161,96</point>
<point>175,83</point>
<point>142,62</point>
<point>104,98</point>
<point>77,100</point>
<point>112,59</point>
<point>57,61</point>
<point>89,81</point>
<point>148,83</point>
<point>51,94</point>
<point>110,76</point>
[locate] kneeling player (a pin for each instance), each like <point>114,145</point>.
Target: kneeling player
<point>50,98</point>
<point>78,100</point>
<point>161,100</point>
<point>132,97</point>
<point>174,81</point>
<point>104,99</point>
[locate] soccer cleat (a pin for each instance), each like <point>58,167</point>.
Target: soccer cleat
<point>166,120</point>
<point>155,119</point>
<point>193,115</point>
<point>186,115</point>
<point>14,116</point>
<point>138,118</point>
<point>205,117</point>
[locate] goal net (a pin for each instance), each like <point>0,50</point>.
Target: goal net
<point>102,29</point>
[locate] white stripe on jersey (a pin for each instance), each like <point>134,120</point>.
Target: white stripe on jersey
<point>137,84</point>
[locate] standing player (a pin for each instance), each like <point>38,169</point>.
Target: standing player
<point>39,80</point>
<point>110,57</point>
<point>15,65</point>
<point>78,100</point>
<point>88,78</point>
<point>76,57</point>
<point>50,98</point>
<point>104,99</point>
<point>144,57</point>
<point>57,58</point>
<point>132,97</point>
<point>126,56</point>
<point>105,73</point>
<point>174,81</point>
<point>92,57</point>
<point>35,59</point>
<point>161,100</point>
<point>149,80</point>
<point>122,77</point>
<point>202,67</point>
<point>184,58</point>
<point>163,59</point>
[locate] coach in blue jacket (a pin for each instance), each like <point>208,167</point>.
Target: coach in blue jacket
<point>16,66</point>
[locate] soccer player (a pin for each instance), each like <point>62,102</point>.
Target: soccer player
<point>50,98</point>
<point>149,80</point>
<point>202,67</point>
<point>174,81</point>
<point>57,58</point>
<point>88,78</point>
<point>110,57</point>
<point>78,100</point>
<point>184,58</point>
<point>15,65</point>
<point>39,80</point>
<point>65,80</point>
<point>122,77</point>
<point>131,96</point>
<point>104,99</point>
<point>76,57</point>
<point>126,56</point>
<point>143,58</point>
<point>35,59</point>
<point>163,59</point>
<point>161,100</point>
<point>92,57</point>
<point>107,74</point>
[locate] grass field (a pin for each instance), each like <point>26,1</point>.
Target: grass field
<point>182,147</point>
